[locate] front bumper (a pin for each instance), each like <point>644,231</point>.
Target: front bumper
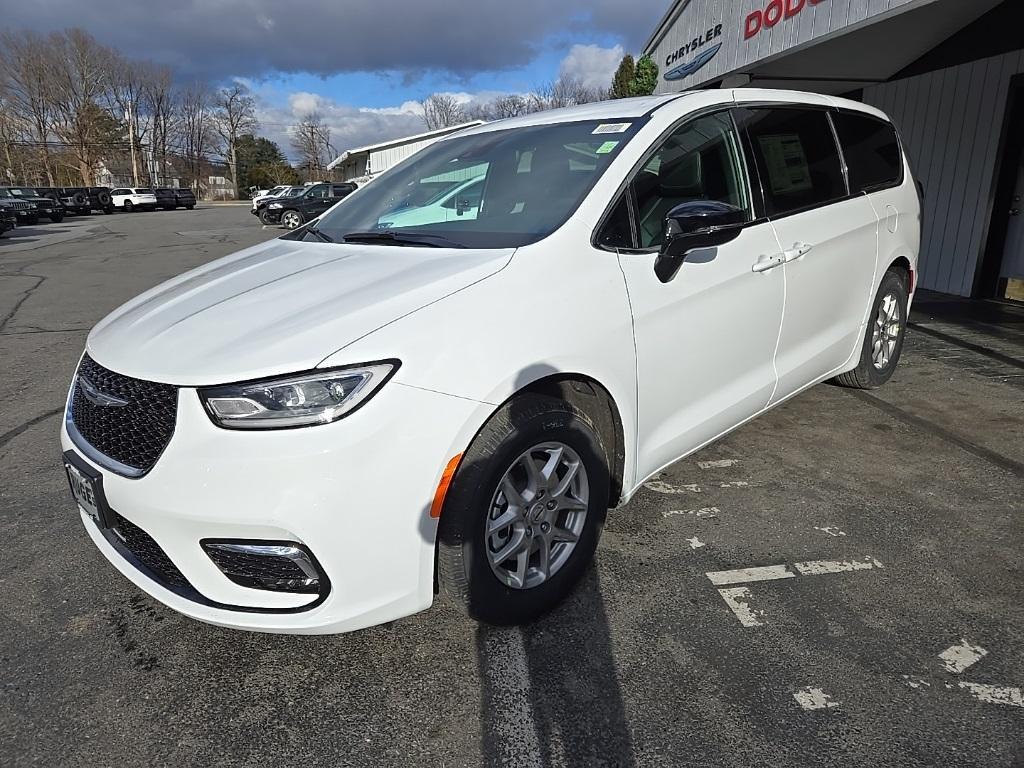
<point>357,493</point>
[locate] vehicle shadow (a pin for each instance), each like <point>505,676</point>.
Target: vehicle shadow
<point>550,694</point>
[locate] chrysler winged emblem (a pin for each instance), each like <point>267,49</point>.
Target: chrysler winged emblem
<point>93,395</point>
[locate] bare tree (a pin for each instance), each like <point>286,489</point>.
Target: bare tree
<point>160,107</point>
<point>563,92</point>
<point>234,114</point>
<point>311,139</point>
<point>197,137</point>
<point>24,85</point>
<point>124,96</point>
<point>78,78</point>
<point>510,105</point>
<point>441,110</point>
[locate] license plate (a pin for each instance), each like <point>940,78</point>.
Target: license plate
<point>83,489</point>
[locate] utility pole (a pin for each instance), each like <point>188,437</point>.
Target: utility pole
<point>131,144</point>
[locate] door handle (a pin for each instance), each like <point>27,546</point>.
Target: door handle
<point>764,263</point>
<point>798,250</point>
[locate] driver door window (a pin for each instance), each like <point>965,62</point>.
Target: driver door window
<point>700,161</point>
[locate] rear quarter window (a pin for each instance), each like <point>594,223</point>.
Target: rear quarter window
<point>871,149</point>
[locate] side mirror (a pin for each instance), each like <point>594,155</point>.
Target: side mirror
<point>693,226</point>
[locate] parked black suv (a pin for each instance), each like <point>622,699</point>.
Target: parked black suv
<point>296,210</point>
<point>45,206</point>
<point>186,197</point>
<point>81,200</point>
<point>26,213</point>
<point>8,220</point>
<point>169,198</point>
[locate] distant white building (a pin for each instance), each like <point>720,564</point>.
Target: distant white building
<point>363,163</point>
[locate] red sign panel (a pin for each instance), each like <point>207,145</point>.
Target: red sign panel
<point>773,13</point>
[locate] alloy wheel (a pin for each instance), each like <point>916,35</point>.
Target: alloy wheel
<point>291,220</point>
<point>537,515</point>
<point>886,331</point>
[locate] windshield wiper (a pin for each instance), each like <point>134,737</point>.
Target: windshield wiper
<point>317,234</point>
<point>402,238</point>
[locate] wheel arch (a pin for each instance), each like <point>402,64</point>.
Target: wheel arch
<point>594,399</point>
<point>902,264</point>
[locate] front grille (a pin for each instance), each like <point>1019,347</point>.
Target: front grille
<point>133,434</point>
<point>21,205</point>
<point>148,552</point>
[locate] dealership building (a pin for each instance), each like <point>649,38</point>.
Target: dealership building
<point>950,73</point>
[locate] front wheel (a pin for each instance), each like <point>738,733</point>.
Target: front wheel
<point>291,219</point>
<point>56,218</point>
<point>883,340</point>
<point>525,510</point>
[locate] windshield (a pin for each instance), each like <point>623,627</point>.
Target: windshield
<point>496,189</point>
<point>23,192</point>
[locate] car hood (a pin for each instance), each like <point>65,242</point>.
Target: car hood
<point>279,307</point>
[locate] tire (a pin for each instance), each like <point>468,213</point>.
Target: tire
<point>291,219</point>
<point>533,425</point>
<point>189,207</point>
<point>108,210</point>
<point>81,199</point>
<point>128,207</point>
<point>56,218</point>
<point>877,363</point>
<point>103,197</point>
<point>264,218</point>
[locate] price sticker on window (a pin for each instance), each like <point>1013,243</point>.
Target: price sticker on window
<point>607,147</point>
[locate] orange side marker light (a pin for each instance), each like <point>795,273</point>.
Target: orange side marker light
<point>442,487</point>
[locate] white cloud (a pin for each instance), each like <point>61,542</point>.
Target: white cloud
<point>592,65</point>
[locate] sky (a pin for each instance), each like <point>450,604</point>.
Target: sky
<point>362,65</point>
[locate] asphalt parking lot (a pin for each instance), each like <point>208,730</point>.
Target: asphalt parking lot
<point>838,582</point>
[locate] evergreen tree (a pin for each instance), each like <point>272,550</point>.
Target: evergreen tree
<point>645,79</point>
<point>622,83</point>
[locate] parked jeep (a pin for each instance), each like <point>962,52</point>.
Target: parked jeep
<point>8,220</point>
<point>170,198</point>
<point>26,213</point>
<point>45,206</point>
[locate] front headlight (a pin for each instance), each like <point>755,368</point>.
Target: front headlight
<point>319,397</point>
<point>275,205</point>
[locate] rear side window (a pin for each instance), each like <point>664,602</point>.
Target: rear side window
<point>797,157</point>
<point>871,149</point>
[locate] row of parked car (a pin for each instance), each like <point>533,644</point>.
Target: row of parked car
<point>292,207</point>
<point>23,206</point>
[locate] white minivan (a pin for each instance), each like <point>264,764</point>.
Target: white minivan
<point>315,434</point>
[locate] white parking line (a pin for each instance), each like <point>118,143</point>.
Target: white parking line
<point>831,530</point>
<point>743,575</point>
<point>735,484</point>
<point>957,658</point>
<point>818,567</point>
<point>718,463</point>
<point>696,543</point>
<point>736,598</point>
<point>702,512</point>
<point>993,694</point>
<point>814,698</point>
<point>660,486</point>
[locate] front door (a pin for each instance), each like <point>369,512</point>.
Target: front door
<point>1012,269</point>
<point>829,241</point>
<point>705,339</point>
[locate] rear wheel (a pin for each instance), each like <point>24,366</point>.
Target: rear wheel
<point>291,219</point>
<point>883,340</point>
<point>56,218</point>
<point>128,207</point>
<point>524,513</point>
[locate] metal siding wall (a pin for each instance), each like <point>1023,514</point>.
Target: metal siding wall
<point>813,22</point>
<point>951,121</point>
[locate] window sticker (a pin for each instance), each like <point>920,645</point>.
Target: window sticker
<point>612,128</point>
<point>788,169</point>
<point>607,147</point>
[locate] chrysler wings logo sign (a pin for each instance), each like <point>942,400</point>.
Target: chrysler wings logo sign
<point>94,396</point>
<point>691,67</point>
